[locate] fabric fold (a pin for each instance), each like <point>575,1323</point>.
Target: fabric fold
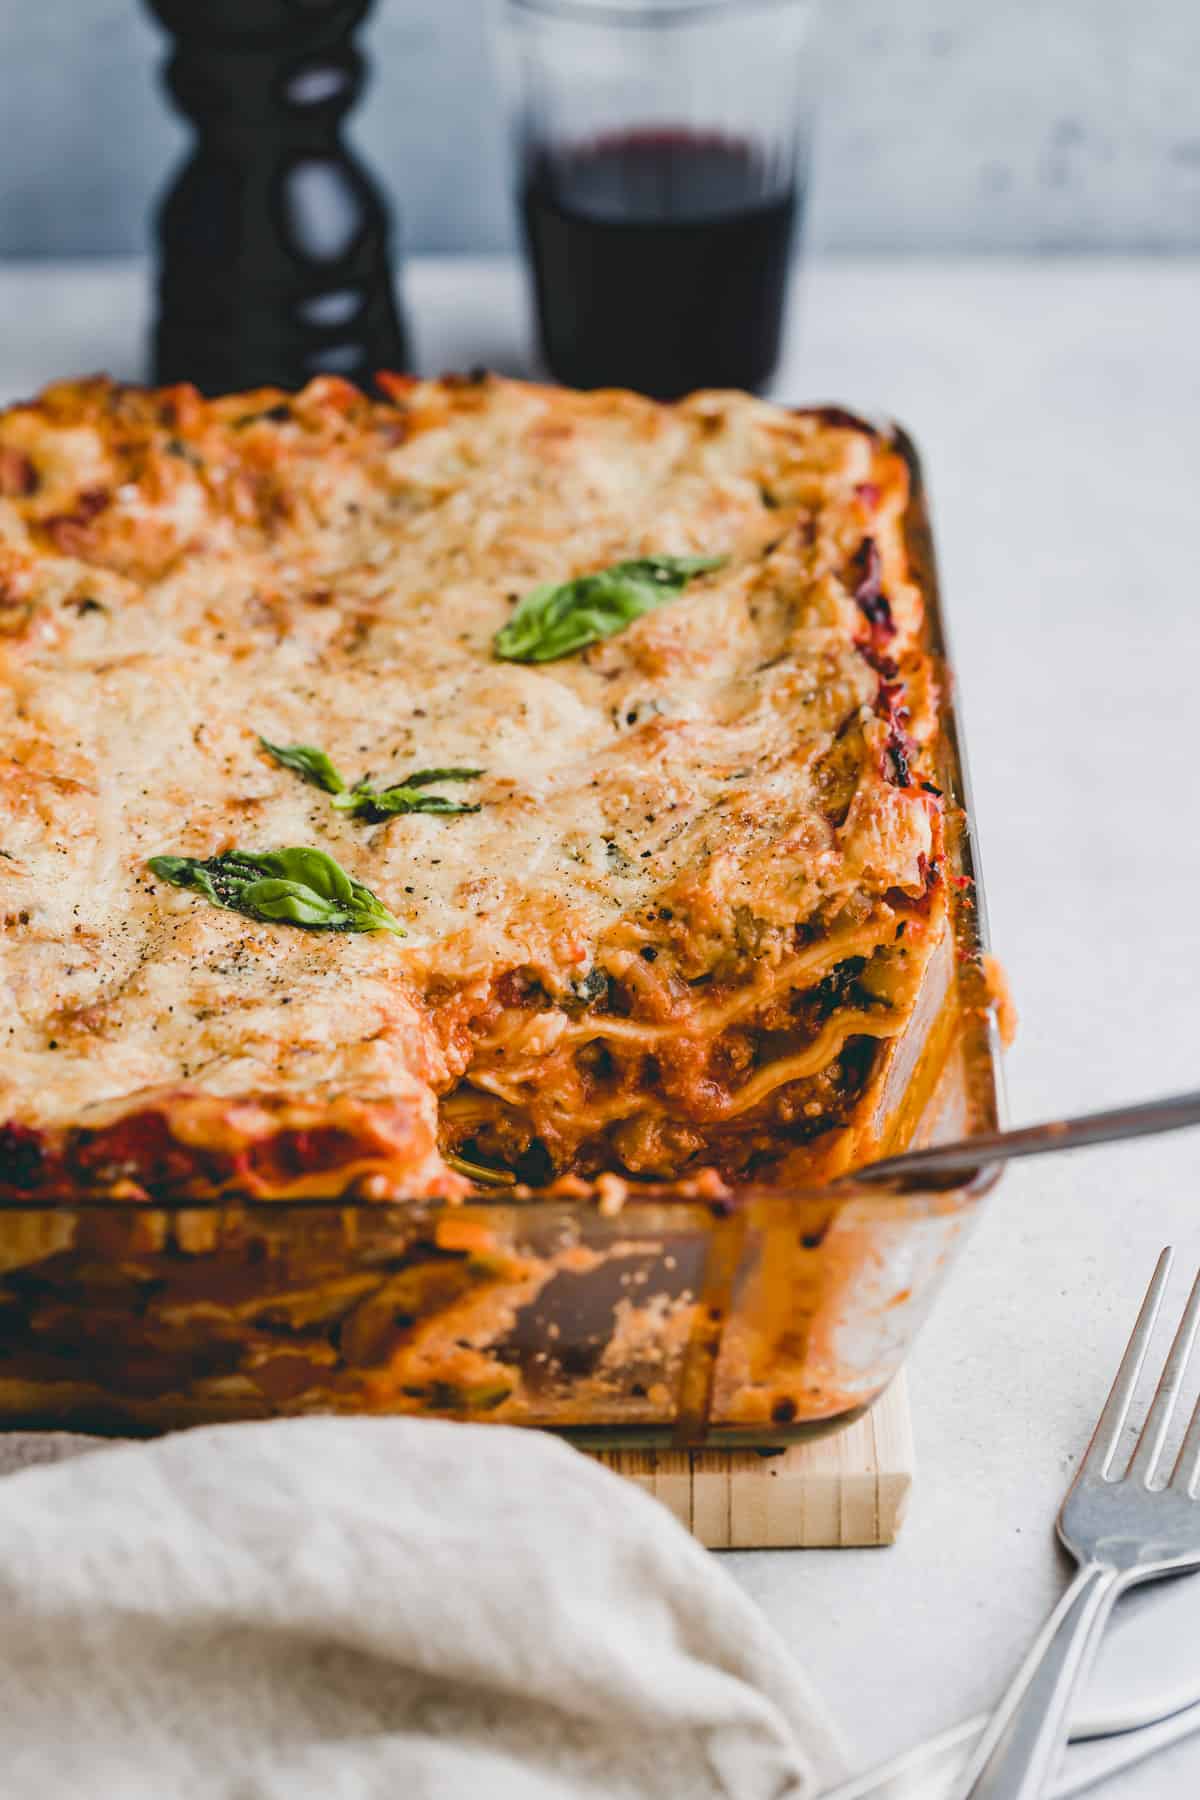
<point>358,1607</point>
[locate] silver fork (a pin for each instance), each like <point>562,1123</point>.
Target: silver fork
<point>1120,1531</point>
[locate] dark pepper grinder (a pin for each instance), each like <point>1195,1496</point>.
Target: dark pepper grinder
<point>274,242</point>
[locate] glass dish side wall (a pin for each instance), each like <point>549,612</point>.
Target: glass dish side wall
<point>755,1319</point>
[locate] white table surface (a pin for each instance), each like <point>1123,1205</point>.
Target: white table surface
<point>1056,407</point>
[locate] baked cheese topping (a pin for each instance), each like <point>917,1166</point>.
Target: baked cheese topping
<point>705,855</point>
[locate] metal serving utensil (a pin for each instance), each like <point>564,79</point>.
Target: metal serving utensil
<point>934,1770</point>
<point>1121,1526</point>
<point>1121,1530</point>
<point>962,1159</point>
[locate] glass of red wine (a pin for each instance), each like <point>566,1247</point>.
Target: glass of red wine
<point>661,154</point>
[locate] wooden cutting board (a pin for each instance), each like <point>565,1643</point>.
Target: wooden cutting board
<point>847,1489</point>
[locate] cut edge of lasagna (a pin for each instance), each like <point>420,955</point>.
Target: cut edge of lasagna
<point>688,873</point>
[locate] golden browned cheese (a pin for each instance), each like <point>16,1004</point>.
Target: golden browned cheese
<point>703,880</point>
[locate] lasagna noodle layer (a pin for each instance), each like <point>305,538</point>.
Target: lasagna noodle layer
<point>704,878</point>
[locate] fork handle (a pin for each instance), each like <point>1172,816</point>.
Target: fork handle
<point>1017,1754</point>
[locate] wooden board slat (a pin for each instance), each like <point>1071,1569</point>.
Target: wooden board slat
<point>848,1489</point>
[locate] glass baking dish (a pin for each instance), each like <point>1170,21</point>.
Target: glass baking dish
<point>684,1317</point>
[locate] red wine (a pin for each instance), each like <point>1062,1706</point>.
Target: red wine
<point>660,260</point>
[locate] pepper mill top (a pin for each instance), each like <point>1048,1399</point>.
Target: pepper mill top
<point>274,262</point>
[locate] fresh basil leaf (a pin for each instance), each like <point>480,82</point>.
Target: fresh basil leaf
<point>292,903</point>
<point>423,777</point>
<point>365,801</point>
<point>314,869</point>
<point>297,886</point>
<point>187,872</point>
<point>313,765</point>
<point>554,621</point>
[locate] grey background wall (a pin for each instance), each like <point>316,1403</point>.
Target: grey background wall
<point>983,125</point>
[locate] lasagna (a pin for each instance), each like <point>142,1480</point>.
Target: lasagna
<point>484,783</point>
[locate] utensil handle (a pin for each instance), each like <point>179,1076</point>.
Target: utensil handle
<point>1098,1759</point>
<point>1174,1113</point>
<point>936,1768</point>
<point>1017,1753</point>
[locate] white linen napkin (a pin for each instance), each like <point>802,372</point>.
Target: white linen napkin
<point>351,1608</point>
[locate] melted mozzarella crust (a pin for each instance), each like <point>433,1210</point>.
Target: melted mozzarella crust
<point>178,577</point>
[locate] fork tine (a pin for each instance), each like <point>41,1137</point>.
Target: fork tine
<point>1187,1463</point>
<point>1149,1445</point>
<point>1111,1423</point>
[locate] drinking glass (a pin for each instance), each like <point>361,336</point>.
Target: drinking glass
<point>661,153</point>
